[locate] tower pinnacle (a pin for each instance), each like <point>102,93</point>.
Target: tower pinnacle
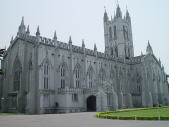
<point>27,31</point>
<point>38,31</point>
<point>22,27</point>
<point>22,22</point>
<point>149,49</point>
<point>118,12</point>
<point>95,48</point>
<point>70,40</point>
<point>55,36</point>
<point>128,16</point>
<point>83,44</point>
<point>106,18</point>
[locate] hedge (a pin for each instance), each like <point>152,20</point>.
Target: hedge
<point>105,116</point>
<point>126,117</point>
<point>147,118</point>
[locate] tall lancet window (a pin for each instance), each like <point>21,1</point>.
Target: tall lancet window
<point>62,76</point>
<point>116,50</point>
<point>17,75</point>
<point>90,78</point>
<point>77,77</point>
<point>102,76</point>
<point>110,34</point>
<point>46,75</point>
<point>125,33</point>
<point>115,33</point>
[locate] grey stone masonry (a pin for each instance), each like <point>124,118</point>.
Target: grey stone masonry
<point>45,75</point>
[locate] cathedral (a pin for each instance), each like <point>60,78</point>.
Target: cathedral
<point>43,75</point>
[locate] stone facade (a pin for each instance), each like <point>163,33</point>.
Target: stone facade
<point>48,76</point>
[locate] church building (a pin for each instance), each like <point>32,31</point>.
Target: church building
<point>43,75</point>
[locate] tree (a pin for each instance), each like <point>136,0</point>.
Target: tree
<point>2,52</point>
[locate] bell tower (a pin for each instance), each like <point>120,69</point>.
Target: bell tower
<point>118,35</point>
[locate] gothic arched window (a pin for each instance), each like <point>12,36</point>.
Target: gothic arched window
<point>110,34</point>
<point>125,33</point>
<point>138,81</point>
<point>112,52</point>
<point>128,52</point>
<point>46,75</point>
<point>17,75</point>
<point>77,76</point>
<point>62,76</point>
<point>115,33</point>
<point>102,76</point>
<point>90,77</point>
<point>116,50</point>
<point>112,75</point>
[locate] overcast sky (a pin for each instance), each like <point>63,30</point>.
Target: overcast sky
<point>83,19</point>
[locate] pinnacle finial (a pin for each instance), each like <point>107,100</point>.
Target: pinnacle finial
<point>11,39</point>
<point>148,43</point>
<point>55,36</point>
<point>159,61</point>
<point>38,31</point>
<point>83,44</point>
<point>70,39</point>
<point>22,22</point>
<point>149,48</point>
<point>27,31</point>
<point>95,48</point>
<point>106,18</point>
<point>21,28</point>
<point>128,16</point>
<point>118,11</point>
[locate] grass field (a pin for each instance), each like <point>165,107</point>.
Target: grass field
<point>163,111</point>
<point>157,113</point>
<point>8,114</point>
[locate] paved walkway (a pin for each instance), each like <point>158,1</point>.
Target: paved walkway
<point>72,120</point>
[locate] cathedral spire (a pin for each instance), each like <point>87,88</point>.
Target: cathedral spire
<point>149,49</point>
<point>38,31</point>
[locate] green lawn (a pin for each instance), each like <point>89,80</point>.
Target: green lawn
<point>163,111</point>
<point>8,114</point>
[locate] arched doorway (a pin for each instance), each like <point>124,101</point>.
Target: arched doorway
<point>91,103</point>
